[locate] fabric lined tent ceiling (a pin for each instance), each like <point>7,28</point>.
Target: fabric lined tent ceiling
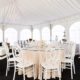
<point>30,12</point>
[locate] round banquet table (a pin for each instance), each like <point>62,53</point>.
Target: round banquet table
<point>35,56</point>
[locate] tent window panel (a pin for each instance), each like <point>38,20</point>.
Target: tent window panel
<point>25,34</point>
<point>11,36</point>
<point>46,34</point>
<point>36,34</point>
<point>58,31</point>
<point>75,32</point>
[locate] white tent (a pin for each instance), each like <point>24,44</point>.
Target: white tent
<point>30,12</point>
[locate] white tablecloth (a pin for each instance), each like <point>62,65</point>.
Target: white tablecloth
<point>36,58</point>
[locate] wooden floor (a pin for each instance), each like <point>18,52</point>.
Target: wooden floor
<point>65,74</point>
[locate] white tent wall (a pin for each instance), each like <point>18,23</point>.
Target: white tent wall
<point>65,22</point>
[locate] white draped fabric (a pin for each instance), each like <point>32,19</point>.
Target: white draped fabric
<point>36,58</point>
<point>36,11</point>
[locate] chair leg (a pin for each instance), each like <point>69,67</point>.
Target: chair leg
<point>59,73</point>
<point>14,74</point>
<point>74,68</point>
<point>40,71</point>
<point>45,74</point>
<point>33,73</point>
<point>71,72</point>
<point>23,74</point>
<point>59,78</point>
<point>7,69</point>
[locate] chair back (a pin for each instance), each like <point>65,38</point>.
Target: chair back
<point>69,49</point>
<point>52,56</point>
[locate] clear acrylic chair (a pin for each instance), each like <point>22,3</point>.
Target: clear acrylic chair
<point>10,59</point>
<point>51,61</point>
<point>23,65</point>
<point>69,54</point>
